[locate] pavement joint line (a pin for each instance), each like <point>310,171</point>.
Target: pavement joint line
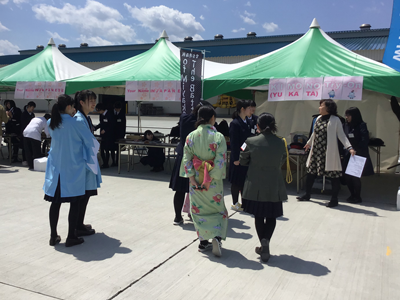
<point>155,268</point>
<point>21,288</point>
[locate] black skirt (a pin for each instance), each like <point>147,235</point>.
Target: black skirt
<point>237,174</point>
<point>57,196</point>
<point>263,209</point>
<point>177,183</point>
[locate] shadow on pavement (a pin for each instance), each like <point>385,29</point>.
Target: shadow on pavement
<point>233,259</point>
<point>95,248</point>
<point>351,209</point>
<point>5,171</point>
<point>296,265</point>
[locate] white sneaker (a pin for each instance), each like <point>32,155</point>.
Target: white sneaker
<point>24,163</point>
<point>216,247</point>
<point>237,207</point>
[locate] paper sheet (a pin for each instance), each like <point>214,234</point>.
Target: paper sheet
<point>356,166</point>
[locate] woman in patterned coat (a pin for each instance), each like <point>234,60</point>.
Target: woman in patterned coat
<point>324,158</point>
<point>204,163</point>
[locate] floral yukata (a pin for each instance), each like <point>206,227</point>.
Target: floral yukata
<point>205,148</point>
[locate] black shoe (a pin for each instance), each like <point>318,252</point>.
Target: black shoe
<point>16,160</point>
<point>84,232</point>
<point>178,221</point>
<point>88,226</point>
<point>355,200</point>
<point>305,197</point>
<point>351,198</point>
<point>73,241</point>
<point>265,254</point>
<point>54,240</point>
<point>332,203</point>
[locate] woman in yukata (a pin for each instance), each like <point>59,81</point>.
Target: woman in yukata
<point>204,163</point>
<point>70,155</point>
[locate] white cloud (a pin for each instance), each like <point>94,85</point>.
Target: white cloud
<point>4,2</point>
<point>238,30</point>
<point>248,3</point>
<point>159,18</point>
<point>94,41</point>
<point>270,27</point>
<point>202,17</point>
<point>249,14</point>
<point>55,35</point>
<point>94,19</point>
<point>205,6</point>
<point>248,20</point>
<point>17,2</point>
<point>3,28</point>
<point>8,48</point>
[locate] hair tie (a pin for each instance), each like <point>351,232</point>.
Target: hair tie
<point>201,104</point>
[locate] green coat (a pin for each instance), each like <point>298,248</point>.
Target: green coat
<point>265,155</point>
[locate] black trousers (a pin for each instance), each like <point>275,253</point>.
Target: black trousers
<point>235,190</point>
<point>335,185</point>
<point>32,150</point>
<point>354,186</point>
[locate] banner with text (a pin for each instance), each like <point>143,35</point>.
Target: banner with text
<point>336,88</point>
<point>152,91</point>
<point>39,90</point>
<point>191,86</point>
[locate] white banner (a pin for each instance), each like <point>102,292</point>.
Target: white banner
<point>156,91</point>
<point>39,89</point>
<point>20,90</point>
<point>152,91</point>
<point>170,90</point>
<point>131,91</point>
<point>336,88</point>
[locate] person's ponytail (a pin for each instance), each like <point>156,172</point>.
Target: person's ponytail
<point>204,115</point>
<point>200,121</point>
<point>56,119</point>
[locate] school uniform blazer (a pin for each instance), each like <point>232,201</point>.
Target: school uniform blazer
<point>92,180</point>
<point>119,125</point>
<point>253,123</point>
<point>70,155</point>
<point>107,124</point>
<point>14,124</point>
<point>264,154</point>
<point>334,132</point>
<point>186,126</point>
<point>26,118</point>
<point>239,131</point>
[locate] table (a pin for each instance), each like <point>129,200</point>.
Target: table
<point>377,150</point>
<point>299,159</point>
<point>131,145</point>
<point>160,136</point>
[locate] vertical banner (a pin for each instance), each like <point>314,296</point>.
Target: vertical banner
<point>156,90</point>
<point>333,87</point>
<point>169,91</point>
<point>29,90</point>
<point>143,90</point>
<point>392,51</point>
<point>294,89</point>
<point>191,67</point>
<point>131,90</point>
<point>19,90</point>
<point>39,89</point>
<point>313,88</point>
<point>277,89</point>
<point>352,88</point>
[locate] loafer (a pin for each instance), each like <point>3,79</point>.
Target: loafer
<point>80,232</point>
<point>332,203</point>
<point>88,226</point>
<point>73,241</point>
<point>304,198</point>
<point>178,221</point>
<point>265,255</point>
<point>355,200</point>
<point>54,240</point>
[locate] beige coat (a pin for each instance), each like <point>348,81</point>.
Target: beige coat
<point>334,132</point>
<point>3,118</point>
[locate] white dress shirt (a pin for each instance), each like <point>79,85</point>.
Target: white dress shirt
<point>35,128</point>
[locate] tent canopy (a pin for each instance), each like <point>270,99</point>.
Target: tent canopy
<point>160,63</point>
<point>315,54</point>
<point>48,65</point>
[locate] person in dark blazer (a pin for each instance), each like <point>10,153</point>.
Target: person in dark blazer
<point>26,117</point>
<point>357,132</point>
<point>180,185</point>
<point>253,118</point>
<point>155,156</point>
<point>239,131</point>
<point>264,188</point>
<point>106,132</point>
<point>119,130</point>
<point>13,126</point>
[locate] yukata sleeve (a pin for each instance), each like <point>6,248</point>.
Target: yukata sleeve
<point>90,146</point>
<point>219,171</point>
<point>187,169</point>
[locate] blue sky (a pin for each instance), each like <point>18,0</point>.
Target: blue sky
<point>24,24</point>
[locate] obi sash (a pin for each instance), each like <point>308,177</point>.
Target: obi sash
<point>203,167</point>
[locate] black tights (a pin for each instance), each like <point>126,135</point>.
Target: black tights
<point>354,185</point>
<point>265,227</point>
<point>335,185</point>
<point>105,156</point>
<point>82,211</point>
<point>54,214</point>
<point>179,199</point>
<point>235,190</point>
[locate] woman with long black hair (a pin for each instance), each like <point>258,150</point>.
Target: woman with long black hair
<point>357,132</point>
<point>239,131</point>
<point>71,153</point>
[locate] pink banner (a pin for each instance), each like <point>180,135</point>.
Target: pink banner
<point>143,90</point>
<point>156,91</point>
<point>277,88</point>
<point>29,90</point>
<point>59,88</point>
<point>333,87</point>
<point>20,90</point>
<point>313,88</point>
<point>169,90</point>
<point>131,91</point>
<point>352,88</point>
<point>178,94</point>
<point>39,89</point>
<point>294,89</point>
<point>49,90</point>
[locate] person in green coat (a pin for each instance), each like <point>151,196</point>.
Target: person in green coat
<point>264,188</point>
<point>204,163</point>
